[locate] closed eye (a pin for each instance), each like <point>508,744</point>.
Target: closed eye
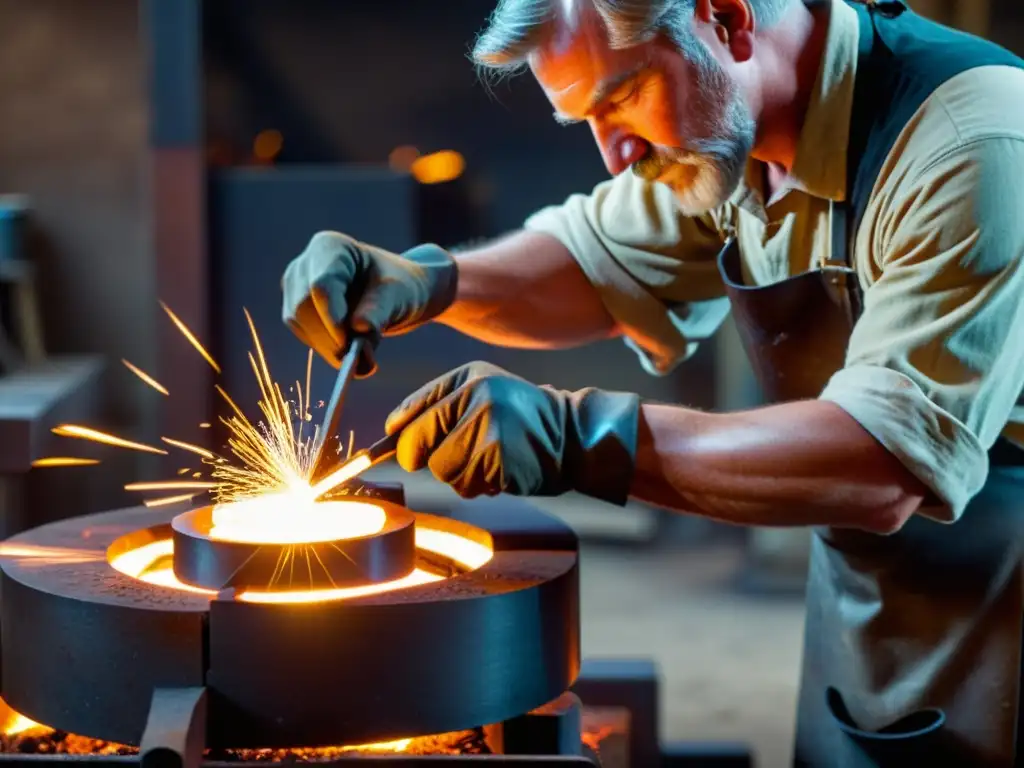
<point>634,89</point>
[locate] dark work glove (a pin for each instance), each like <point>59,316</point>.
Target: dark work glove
<point>485,431</point>
<point>338,286</point>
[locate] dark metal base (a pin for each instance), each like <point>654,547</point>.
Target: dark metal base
<point>396,761</point>
<point>548,737</point>
<point>85,646</point>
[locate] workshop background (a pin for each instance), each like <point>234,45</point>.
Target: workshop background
<point>151,155</point>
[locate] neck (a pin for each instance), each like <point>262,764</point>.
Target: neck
<point>792,51</point>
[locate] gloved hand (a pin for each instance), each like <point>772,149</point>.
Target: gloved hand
<point>485,431</point>
<point>338,286</point>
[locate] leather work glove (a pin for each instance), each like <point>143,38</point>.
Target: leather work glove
<point>339,286</point>
<point>485,431</point>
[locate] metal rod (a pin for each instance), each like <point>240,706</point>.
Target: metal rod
<point>350,468</point>
<point>335,406</point>
<point>175,734</point>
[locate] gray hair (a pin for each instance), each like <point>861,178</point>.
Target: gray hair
<point>516,27</point>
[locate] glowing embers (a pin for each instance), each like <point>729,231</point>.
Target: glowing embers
<point>288,543</point>
<point>149,556</point>
<point>19,734</point>
<point>294,518</point>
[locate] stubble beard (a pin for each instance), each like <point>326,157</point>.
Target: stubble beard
<point>706,173</point>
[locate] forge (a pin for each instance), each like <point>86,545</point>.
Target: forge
<point>290,620</point>
<point>183,636</point>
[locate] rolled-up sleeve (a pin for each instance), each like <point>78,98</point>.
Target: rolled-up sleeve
<point>936,362</point>
<point>653,267</point>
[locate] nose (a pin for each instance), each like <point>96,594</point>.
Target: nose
<point>619,149</point>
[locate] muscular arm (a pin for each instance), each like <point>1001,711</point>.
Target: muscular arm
<point>527,291</point>
<point>798,464</point>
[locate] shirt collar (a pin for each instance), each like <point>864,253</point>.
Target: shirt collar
<point>819,168</point>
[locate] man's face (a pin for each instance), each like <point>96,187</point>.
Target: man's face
<point>651,109</point>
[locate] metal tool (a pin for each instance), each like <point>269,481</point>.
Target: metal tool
<point>332,416</point>
<point>348,469</point>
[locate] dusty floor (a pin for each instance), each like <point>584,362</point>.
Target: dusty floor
<point>728,659</point>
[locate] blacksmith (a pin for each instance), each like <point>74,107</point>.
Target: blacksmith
<point>848,179</point>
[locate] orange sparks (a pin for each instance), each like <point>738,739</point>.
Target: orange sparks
<point>30,553</point>
<point>146,378</point>
<point>64,461</point>
<point>87,433</point>
<point>273,454</point>
<point>191,338</point>
<point>189,447</point>
<point>306,416</point>
<point>171,485</point>
<point>167,500</point>
<point>271,393</point>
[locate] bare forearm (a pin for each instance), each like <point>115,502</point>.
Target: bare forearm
<point>527,291</point>
<point>800,464</point>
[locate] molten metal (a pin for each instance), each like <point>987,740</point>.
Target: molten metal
<point>152,563</point>
<point>292,517</point>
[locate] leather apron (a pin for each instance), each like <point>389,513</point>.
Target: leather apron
<point>912,648</point>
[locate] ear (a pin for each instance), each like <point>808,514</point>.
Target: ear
<point>733,23</point>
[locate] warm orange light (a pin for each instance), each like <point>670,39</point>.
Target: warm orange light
<point>341,475</point>
<point>145,377</point>
<point>402,158</point>
<point>171,485</point>
<point>64,461</point>
<point>267,145</point>
<point>438,167</point>
<point>291,517</point>
<point>151,563</point>
<point>166,501</point>
<point>14,724</point>
<point>190,337</point>
<point>414,579</point>
<point>29,554</point>
<point>17,724</point>
<point>87,433</point>
<point>399,745</point>
<point>189,447</point>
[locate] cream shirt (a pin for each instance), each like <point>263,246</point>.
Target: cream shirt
<point>935,366</point>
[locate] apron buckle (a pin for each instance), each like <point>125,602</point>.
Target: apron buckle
<point>837,277</point>
<point>835,271</point>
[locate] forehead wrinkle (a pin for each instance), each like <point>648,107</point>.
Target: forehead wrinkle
<point>579,42</point>
<point>604,88</point>
<point>567,89</point>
